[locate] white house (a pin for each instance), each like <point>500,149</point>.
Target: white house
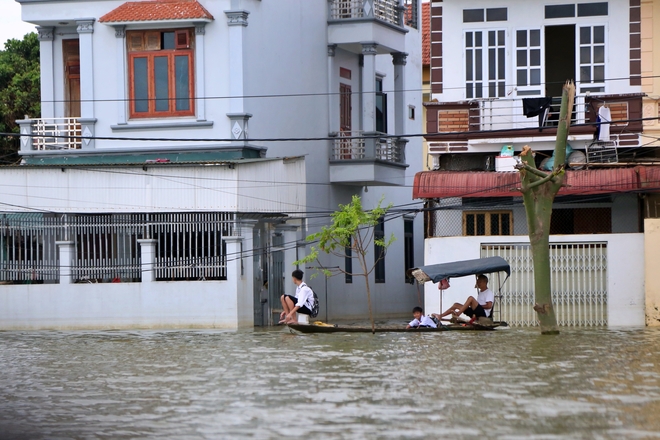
<point>497,69</point>
<point>186,148</point>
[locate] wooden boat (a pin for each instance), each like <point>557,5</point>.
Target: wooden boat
<point>333,328</point>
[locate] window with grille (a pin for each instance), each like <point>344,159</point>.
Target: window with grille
<point>488,223</point>
<point>528,60</point>
<point>592,58</point>
<point>160,71</point>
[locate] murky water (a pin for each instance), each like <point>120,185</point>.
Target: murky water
<point>511,384</point>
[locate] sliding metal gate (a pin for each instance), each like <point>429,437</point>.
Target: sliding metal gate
<point>578,279</point>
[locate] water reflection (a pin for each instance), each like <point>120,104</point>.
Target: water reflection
<point>271,384</point>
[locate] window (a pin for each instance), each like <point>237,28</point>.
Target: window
<point>408,248</point>
<point>381,107</point>
<point>160,73</point>
<point>379,252</point>
<point>411,112</point>
<point>485,59</point>
<point>477,15</point>
<point>592,9</point>
<point>528,58</point>
<point>488,223</point>
<point>559,11</point>
<point>592,56</point>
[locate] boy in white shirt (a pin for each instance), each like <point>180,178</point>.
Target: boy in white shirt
<point>301,303</point>
<point>475,308</point>
<point>420,320</point>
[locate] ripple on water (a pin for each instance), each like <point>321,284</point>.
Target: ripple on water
<point>271,384</point>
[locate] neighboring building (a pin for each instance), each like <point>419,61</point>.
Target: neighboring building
<point>426,74</point>
<point>186,149</point>
<point>497,71</point>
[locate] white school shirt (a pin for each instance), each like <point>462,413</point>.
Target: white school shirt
<point>484,297</point>
<point>425,320</point>
<point>305,296</point>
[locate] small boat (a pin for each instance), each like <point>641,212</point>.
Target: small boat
<point>334,328</point>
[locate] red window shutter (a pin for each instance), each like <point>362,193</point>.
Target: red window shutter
<point>182,39</point>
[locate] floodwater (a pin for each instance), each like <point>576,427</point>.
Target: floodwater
<point>270,384</point>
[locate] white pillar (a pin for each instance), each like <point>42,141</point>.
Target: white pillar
<point>369,51</point>
<point>333,91</point>
<point>234,279</point>
<point>246,291</point>
<point>147,259</point>
<point>66,254</point>
<point>237,22</point>
<point>85,32</point>
<point>120,63</point>
<point>400,108</point>
<point>46,36</point>
<point>200,30</point>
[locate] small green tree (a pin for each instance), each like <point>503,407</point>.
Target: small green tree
<point>539,190</point>
<point>20,92</point>
<point>352,229</point>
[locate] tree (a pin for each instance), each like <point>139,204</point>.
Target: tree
<point>351,235</point>
<point>539,190</point>
<point>20,93</point>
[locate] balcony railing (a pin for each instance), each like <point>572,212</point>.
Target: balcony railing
<point>388,11</point>
<point>358,145</point>
<point>56,134</point>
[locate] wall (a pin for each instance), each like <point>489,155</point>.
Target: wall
<point>625,275</point>
<point>651,265</point>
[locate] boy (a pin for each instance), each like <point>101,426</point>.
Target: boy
<point>474,308</point>
<point>420,320</point>
<point>301,303</point>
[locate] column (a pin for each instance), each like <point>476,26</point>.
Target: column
<point>46,36</point>
<point>66,254</point>
<point>369,51</point>
<point>234,251</point>
<point>247,289</point>
<point>333,92</point>
<point>200,71</point>
<point>399,61</point>
<point>26,129</point>
<point>87,120</point>
<point>147,259</point>
<point>237,22</point>
<point>120,61</point>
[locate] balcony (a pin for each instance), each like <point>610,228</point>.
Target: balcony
<point>51,134</point>
<point>360,158</point>
<point>352,22</point>
<point>459,126</point>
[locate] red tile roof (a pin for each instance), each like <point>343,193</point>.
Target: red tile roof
<point>439,184</point>
<point>152,10</point>
<point>426,34</point>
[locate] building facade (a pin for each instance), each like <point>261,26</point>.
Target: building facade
<point>497,71</point>
<point>192,135</point>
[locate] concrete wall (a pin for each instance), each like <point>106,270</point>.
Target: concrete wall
<point>625,272</point>
<point>651,265</point>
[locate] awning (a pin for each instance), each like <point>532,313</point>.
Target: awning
<point>440,184</point>
<point>145,11</point>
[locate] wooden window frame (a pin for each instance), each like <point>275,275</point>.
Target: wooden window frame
<point>182,48</point>
<point>487,222</point>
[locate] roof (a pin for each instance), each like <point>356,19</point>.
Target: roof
<point>440,184</point>
<point>426,34</point>
<point>455,269</point>
<point>157,10</point>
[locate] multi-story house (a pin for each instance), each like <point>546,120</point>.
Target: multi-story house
<point>497,71</point>
<point>186,148</point>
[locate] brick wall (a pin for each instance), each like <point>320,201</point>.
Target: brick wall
<point>453,120</point>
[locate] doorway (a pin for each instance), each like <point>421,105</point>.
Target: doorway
<point>71,55</point>
<point>559,58</point>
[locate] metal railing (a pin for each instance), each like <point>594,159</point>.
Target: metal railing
<point>53,134</point>
<point>388,11</point>
<point>358,145</point>
<point>578,274</point>
<point>189,246</point>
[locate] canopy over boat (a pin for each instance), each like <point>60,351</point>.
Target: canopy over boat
<point>439,272</point>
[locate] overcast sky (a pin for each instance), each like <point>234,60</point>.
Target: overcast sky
<point>11,25</point>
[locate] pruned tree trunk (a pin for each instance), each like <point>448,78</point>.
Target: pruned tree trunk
<point>539,190</point>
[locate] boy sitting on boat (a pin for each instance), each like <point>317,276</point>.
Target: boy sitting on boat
<point>302,302</point>
<point>420,320</point>
<point>474,308</point>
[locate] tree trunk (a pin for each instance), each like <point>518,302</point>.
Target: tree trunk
<point>539,190</point>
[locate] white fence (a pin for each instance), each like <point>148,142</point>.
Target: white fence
<point>57,134</point>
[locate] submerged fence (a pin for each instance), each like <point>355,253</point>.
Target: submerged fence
<point>189,246</point>
<point>578,277</point>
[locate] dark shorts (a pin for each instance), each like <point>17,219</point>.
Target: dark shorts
<point>304,310</point>
<point>478,312</point>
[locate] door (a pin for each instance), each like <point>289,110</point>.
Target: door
<point>345,125</point>
<point>71,55</point>
<point>559,58</point>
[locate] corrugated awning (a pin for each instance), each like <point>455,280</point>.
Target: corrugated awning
<point>439,184</point>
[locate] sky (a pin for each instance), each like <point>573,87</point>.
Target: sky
<point>11,25</point>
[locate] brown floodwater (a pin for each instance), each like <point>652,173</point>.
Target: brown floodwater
<point>270,384</point>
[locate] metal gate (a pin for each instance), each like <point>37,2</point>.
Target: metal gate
<point>578,278</point>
